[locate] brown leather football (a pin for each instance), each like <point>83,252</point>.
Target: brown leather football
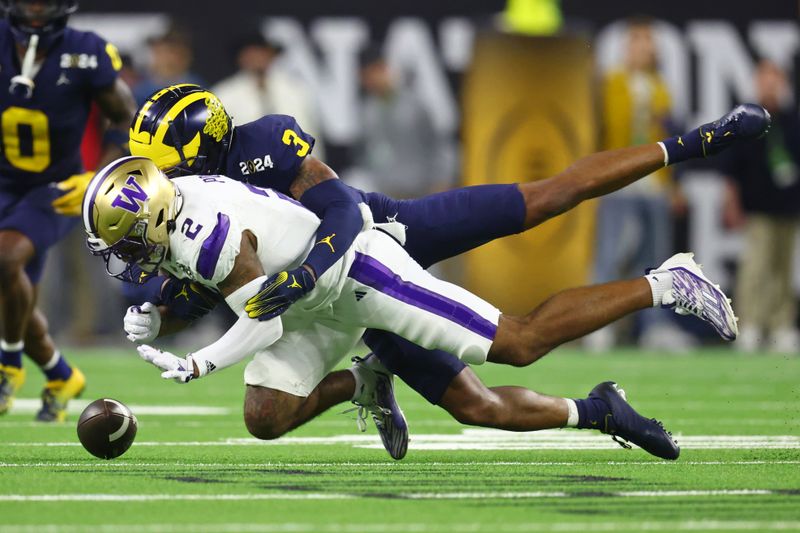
<point>107,428</point>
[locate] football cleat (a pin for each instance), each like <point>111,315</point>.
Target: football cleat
<point>693,293</point>
<point>744,122</point>
<point>625,423</point>
<point>11,380</point>
<point>57,393</point>
<point>377,398</point>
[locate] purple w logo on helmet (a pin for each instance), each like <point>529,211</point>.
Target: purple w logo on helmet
<point>130,199</point>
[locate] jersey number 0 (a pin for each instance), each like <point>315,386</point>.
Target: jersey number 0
<point>13,120</point>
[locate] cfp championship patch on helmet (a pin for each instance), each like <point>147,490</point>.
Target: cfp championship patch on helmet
<point>129,211</point>
<point>184,129</point>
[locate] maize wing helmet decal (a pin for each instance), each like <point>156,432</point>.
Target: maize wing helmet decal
<point>217,121</point>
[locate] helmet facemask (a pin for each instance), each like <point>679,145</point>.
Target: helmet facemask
<point>141,258</point>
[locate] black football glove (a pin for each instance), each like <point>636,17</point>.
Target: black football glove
<point>279,292</point>
<point>188,300</point>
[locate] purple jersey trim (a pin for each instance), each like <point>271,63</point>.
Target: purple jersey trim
<point>370,272</point>
<point>212,247</point>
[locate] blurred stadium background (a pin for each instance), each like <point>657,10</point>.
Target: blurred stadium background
<point>417,96</point>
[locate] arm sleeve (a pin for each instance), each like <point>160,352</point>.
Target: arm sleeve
<point>243,339</point>
<point>341,222</point>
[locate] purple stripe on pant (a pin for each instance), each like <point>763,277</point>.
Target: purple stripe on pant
<point>370,272</point>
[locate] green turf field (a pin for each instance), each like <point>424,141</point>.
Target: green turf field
<point>194,468</point>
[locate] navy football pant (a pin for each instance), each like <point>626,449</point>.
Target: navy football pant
<point>441,226</point>
<point>30,213</point>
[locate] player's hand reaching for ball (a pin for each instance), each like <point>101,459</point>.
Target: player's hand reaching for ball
<point>279,292</point>
<point>70,202</point>
<point>182,370</point>
<point>142,322</point>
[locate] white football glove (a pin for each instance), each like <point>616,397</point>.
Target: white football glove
<point>142,322</point>
<point>177,368</point>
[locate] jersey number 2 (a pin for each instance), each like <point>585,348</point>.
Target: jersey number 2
<point>13,119</point>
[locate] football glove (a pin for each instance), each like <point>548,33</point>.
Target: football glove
<point>70,202</point>
<point>279,292</point>
<point>179,369</point>
<point>188,300</point>
<point>142,322</point>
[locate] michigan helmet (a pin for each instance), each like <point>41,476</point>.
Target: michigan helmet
<point>129,210</point>
<point>45,18</point>
<point>184,129</point>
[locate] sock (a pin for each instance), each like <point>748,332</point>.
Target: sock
<point>591,413</point>
<point>683,147</point>
<point>572,418</point>
<point>57,368</point>
<point>11,353</point>
<point>359,388</point>
<point>660,283</point>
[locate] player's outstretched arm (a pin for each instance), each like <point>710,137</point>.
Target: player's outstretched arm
<point>319,189</point>
<point>605,172</point>
<point>243,339</point>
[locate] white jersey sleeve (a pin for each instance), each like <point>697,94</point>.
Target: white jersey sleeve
<point>204,245</point>
<point>216,210</point>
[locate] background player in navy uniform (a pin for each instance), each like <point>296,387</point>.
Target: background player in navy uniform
<point>274,152</point>
<point>49,75</point>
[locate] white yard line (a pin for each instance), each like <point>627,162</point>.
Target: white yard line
<point>30,406</point>
<point>473,439</point>
<point>412,527</point>
<point>508,495</point>
<point>408,465</point>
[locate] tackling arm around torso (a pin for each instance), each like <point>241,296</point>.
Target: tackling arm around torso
<point>319,189</point>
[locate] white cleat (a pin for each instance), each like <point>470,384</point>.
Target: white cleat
<point>693,293</point>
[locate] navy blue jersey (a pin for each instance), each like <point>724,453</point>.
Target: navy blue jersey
<point>268,152</point>
<point>41,135</point>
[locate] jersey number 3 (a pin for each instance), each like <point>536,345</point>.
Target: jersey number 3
<point>18,123</point>
<point>290,137</point>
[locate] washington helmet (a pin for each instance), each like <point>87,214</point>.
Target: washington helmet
<point>184,129</point>
<point>129,210</point>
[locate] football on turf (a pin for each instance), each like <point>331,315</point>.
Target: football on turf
<point>107,428</point>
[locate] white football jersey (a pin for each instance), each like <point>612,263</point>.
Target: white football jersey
<point>216,210</point>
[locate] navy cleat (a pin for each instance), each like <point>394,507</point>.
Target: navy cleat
<point>744,122</point>
<point>377,397</point>
<point>624,422</point>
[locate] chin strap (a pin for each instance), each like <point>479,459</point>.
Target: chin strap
<point>22,84</point>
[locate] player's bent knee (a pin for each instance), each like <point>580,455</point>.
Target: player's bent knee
<point>264,430</point>
<point>469,401</point>
<point>266,413</point>
<point>16,250</point>
<point>477,412</point>
<point>263,425</point>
